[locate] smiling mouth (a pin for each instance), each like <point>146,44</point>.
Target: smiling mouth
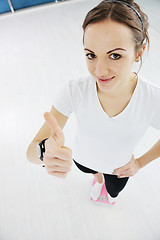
<point>105,80</point>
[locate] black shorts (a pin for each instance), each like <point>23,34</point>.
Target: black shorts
<point>114,185</point>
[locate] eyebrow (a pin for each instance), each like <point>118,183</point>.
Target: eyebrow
<point>108,51</point>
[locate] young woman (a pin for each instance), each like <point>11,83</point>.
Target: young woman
<point>114,106</point>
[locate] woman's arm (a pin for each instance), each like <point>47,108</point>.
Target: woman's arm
<point>134,165</point>
<point>43,133</point>
<point>149,156</point>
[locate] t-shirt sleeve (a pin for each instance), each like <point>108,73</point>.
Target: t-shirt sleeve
<point>156,111</point>
<point>67,98</point>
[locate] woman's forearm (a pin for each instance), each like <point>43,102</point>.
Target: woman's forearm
<point>149,156</point>
<point>32,155</point>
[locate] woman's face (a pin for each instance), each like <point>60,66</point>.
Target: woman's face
<point>110,54</point>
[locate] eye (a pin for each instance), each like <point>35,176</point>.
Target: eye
<point>115,56</point>
<point>90,56</point>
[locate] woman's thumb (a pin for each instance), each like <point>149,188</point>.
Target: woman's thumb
<point>56,131</point>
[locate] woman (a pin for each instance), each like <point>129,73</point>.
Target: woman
<point>113,105</point>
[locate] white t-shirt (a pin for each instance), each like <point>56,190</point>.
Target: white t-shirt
<point>104,143</point>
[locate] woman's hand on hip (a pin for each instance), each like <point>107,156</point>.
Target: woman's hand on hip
<point>128,170</point>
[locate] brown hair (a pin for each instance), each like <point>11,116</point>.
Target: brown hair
<point>119,12</point>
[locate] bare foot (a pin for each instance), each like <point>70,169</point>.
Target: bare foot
<point>99,177</point>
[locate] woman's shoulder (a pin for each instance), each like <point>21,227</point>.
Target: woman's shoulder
<point>149,89</point>
<point>147,83</point>
<point>81,84</point>
<point>81,81</point>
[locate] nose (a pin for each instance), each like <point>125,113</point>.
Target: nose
<point>101,69</point>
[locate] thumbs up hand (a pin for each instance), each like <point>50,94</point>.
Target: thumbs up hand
<point>57,157</point>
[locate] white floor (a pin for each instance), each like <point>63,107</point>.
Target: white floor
<point>40,49</point>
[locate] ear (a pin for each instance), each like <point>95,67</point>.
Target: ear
<point>140,52</point>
